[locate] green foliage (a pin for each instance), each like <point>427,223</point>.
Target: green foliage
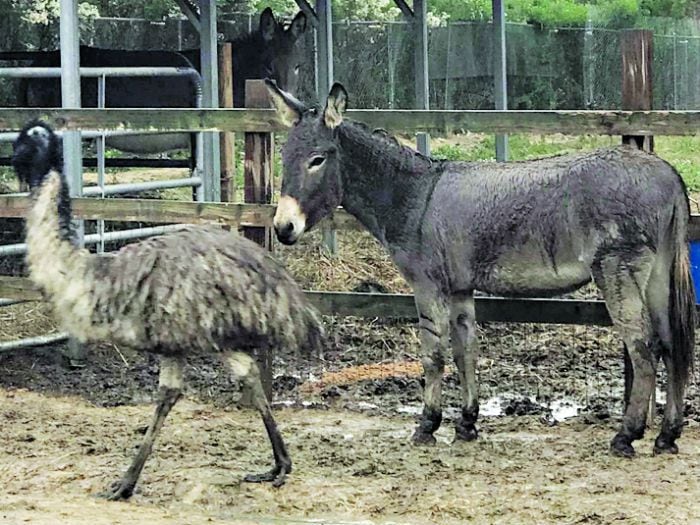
<point>567,13</point>
<point>682,152</point>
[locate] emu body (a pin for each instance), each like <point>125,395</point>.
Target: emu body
<point>617,216</point>
<point>197,290</point>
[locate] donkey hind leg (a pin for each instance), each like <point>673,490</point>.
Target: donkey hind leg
<point>465,347</point>
<point>622,284</point>
<point>433,321</point>
<point>658,299</point>
<point>244,368</point>
<point>169,391</point>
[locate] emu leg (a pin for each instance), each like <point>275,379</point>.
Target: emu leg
<point>170,390</point>
<point>246,369</point>
<point>465,347</point>
<point>434,326</point>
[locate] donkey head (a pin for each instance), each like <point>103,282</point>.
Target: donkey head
<point>280,57</point>
<point>311,181</point>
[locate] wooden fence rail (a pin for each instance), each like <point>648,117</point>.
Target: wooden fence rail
<point>405,121</point>
<point>183,212</point>
<point>554,311</point>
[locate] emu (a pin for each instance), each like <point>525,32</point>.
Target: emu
<point>199,290</point>
<point>616,216</point>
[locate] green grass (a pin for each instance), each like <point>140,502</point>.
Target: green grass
<point>682,152</point>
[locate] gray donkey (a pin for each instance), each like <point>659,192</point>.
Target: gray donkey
<point>617,216</point>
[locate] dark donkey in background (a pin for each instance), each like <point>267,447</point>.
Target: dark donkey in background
<point>271,51</point>
<point>618,216</point>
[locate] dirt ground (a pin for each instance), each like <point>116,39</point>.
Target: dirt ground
<point>67,433</point>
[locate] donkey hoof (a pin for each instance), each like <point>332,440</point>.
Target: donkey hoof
<point>423,438</point>
<point>663,445</point>
<point>466,433</point>
<point>621,447</point>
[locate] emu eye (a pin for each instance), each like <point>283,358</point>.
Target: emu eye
<point>316,162</point>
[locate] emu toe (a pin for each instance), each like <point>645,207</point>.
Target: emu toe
<point>422,438</point>
<point>118,491</point>
<point>621,446</point>
<point>665,445</point>
<point>277,475</point>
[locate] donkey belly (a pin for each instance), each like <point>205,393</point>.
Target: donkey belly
<point>529,271</point>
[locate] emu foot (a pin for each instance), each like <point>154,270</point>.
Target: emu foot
<point>621,446</point>
<point>423,438</point>
<point>465,432</point>
<point>665,445</point>
<point>118,491</point>
<point>277,475</point>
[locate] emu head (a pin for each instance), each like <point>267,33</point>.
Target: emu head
<point>311,175</point>
<point>281,55</point>
<point>35,153</point>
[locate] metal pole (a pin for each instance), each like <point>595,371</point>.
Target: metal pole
<point>101,87</point>
<point>324,68</point>
<point>210,98</point>
<point>72,152</point>
<point>499,72</point>
<point>422,91</point>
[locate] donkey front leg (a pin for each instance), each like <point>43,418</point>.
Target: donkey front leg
<point>433,316</point>
<point>465,348</point>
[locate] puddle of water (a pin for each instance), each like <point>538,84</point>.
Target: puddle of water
<point>495,406</point>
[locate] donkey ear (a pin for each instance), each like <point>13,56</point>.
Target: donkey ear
<point>288,107</point>
<point>335,106</point>
<point>298,26</point>
<point>268,24</point>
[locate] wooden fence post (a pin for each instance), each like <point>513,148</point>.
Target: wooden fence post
<point>259,151</point>
<point>258,173</point>
<point>227,139</point>
<point>637,47</point>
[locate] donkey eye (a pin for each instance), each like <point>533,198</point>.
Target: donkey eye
<point>316,162</point>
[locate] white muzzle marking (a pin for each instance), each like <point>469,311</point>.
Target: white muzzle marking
<point>289,212</point>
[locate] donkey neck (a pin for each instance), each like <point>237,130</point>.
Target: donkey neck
<point>386,186</point>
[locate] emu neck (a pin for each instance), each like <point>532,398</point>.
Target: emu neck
<point>51,251</point>
<point>385,185</point>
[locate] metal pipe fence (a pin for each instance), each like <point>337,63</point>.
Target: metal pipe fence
<point>101,190</point>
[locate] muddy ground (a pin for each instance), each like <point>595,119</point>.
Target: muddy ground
<point>67,433</point>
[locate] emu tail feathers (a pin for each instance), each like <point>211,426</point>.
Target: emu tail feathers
<point>314,340</point>
<point>682,297</point>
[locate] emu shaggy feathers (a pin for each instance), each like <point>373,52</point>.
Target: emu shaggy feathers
<point>199,290</point>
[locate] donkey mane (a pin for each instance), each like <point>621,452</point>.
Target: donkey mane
<point>385,148</point>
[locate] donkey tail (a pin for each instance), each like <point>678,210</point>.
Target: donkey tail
<point>682,296</point>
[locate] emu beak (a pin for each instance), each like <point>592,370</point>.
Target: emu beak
<point>289,221</point>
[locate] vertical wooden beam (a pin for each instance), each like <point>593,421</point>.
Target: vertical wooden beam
<point>420,60</point>
<point>324,79</point>
<point>637,50</point>
<point>499,72</point>
<point>259,151</point>
<point>637,46</point>
<point>258,173</point>
<point>227,139</point>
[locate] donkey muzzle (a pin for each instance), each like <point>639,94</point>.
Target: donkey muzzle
<point>289,221</point>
